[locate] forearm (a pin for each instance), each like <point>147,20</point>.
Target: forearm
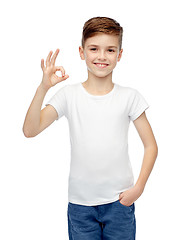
<point>150,155</point>
<point>32,119</point>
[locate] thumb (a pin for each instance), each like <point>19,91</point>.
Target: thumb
<point>60,79</point>
<point>61,69</point>
<point>120,196</point>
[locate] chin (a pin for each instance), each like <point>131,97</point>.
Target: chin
<point>101,75</point>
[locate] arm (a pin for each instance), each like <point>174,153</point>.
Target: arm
<point>150,149</point>
<point>150,153</point>
<point>37,120</point>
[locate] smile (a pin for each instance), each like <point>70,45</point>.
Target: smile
<point>101,65</point>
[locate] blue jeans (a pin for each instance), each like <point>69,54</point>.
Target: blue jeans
<point>112,221</point>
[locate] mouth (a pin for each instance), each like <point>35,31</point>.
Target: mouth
<point>101,65</point>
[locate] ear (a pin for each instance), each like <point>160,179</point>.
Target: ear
<point>81,52</point>
<point>120,55</point>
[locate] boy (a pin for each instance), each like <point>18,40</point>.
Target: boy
<point>101,186</point>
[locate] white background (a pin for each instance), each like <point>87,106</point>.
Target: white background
<point>156,59</point>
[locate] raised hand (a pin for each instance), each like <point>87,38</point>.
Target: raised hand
<point>50,79</point>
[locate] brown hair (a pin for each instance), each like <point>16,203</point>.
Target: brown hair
<point>97,25</point>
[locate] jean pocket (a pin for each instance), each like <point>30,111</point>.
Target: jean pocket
<point>130,208</point>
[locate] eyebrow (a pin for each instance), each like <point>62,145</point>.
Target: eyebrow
<point>94,45</point>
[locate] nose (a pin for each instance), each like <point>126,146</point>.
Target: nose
<point>101,55</point>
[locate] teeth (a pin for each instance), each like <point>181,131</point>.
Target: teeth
<point>101,65</point>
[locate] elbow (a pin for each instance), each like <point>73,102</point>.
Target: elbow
<point>27,133</point>
<point>156,149</point>
<point>153,149</point>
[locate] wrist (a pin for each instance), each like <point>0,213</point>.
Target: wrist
<point>43,88</point>
<point>139,187</point>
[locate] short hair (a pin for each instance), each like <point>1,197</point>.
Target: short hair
<point>105,25</point>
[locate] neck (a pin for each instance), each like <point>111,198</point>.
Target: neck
<point>98,84</point>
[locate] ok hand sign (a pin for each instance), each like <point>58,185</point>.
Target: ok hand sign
<point>50,79</point>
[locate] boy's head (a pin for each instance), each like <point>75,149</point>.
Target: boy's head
<point>101,46</point>
<point>105,25</point>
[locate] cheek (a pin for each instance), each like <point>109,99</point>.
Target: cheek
<point>89,57</point>
<point>89,60</point>
<point>114,60</point>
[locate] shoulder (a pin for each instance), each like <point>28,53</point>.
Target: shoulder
<point>127,91</point>
<point>125,88</point>
<point>68,88</point>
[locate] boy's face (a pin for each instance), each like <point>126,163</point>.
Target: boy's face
<point>101,53</point>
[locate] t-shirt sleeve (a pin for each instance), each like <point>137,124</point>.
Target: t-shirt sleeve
<point>138,106</point>
<point>58,101</point>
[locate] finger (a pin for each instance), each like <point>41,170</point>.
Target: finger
<point>60,79</point>
<point>120,196</point>
<point>48,58</point>
<point>65,77</point>
<point>60,68</point>
<point>54,57</point>
<point>42,64</point>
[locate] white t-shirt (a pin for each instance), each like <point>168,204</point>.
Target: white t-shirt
<point>100,167</point>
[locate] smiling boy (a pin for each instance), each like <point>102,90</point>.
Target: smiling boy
<point>101,53</point>
<point>101,192</point>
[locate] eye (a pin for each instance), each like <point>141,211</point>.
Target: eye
<point>111,50</point>
<point>93,49</point>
